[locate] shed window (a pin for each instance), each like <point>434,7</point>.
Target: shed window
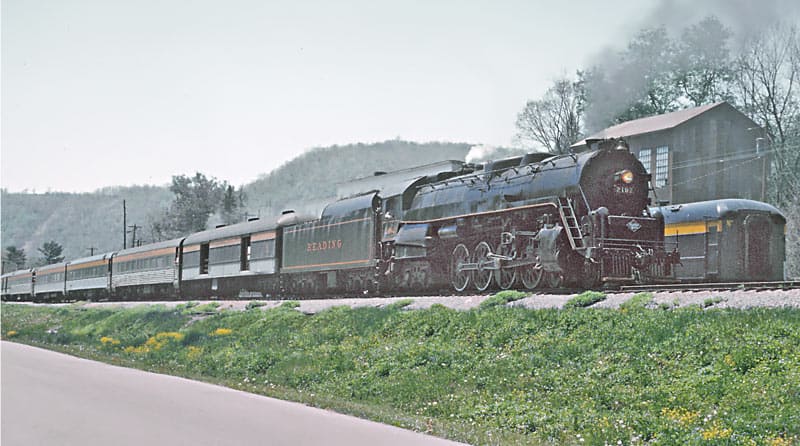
<point>645,158</point>
<point>662,166</point>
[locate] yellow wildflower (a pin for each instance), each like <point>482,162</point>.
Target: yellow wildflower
<point>728,359</point>
<point>11,333</point>
<point>139,349</point>
<point>780,441</point>
<point>156,342</point>
<point>221,332</point>
<point>193,352</point>
<point>169,335</point>
<point>108,340</point>
<point>680,415</point>
<point>716,432</point>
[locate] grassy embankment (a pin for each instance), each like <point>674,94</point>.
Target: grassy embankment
<point>493,375</point>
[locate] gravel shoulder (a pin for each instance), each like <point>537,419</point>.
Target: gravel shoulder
<point>707,299</point>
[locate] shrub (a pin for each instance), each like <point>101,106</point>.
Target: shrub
<point>207,308</point>
<point>585,299</point>
<point>637,302</point>
<point>255,304</point>
<point>502,298</point>
<point>400,304</point>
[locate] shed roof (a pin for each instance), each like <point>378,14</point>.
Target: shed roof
<point>649,124</point>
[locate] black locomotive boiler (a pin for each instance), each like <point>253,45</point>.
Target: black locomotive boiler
<point>540,220</point>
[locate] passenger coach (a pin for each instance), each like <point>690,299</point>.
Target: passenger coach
<point>730,240</point>
<point>50,282</point>
<point>17,285</point>
<point>89,277</point>
<point>239,260</point>
<point>149,271</point>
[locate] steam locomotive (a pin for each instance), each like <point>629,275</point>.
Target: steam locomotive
<point>533,221</point>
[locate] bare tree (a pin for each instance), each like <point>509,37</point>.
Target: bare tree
<point>766,79</point>
<point>556,120</point>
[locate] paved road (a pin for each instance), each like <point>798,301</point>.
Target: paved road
<point>53,399</point>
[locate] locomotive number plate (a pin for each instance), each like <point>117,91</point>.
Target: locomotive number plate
<point>623,189</point>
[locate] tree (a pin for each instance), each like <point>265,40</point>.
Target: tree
<point>705,69</point>
<point>657,74</point>
<point>556,120</point>
<point>232,202</point>
<point>633,83</point>
<point>196,198</point>
<point>51,252</point>
<point>13,259</point>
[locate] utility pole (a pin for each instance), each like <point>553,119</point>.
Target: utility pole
<point>91,250</point>
<point>124,225</point>
<point>134,227</point>
<point>763,168</point>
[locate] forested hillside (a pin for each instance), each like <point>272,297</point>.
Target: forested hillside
<point>309,181</point>
<point>77,221</point>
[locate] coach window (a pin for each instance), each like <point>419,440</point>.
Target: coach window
<point>204,258</point>
<point>244,254</point>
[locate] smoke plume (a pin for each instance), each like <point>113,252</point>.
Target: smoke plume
<point>480,153</point>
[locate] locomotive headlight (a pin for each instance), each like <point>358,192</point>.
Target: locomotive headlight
<point>626,176</point>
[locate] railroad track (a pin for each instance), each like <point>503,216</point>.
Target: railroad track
<point>731,286</point>
<point>674,287</point>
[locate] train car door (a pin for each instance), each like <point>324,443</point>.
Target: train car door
<point>757,236</point>
<point>712,250</point>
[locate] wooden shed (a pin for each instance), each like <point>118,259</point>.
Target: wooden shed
<point>703,153</point>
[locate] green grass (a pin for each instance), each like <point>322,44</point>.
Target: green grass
<point>498,375</point>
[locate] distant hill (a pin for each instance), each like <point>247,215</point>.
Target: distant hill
<point>77,221</point>
<point>306,184</point>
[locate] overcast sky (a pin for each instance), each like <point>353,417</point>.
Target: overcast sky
<point>98,93</point>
